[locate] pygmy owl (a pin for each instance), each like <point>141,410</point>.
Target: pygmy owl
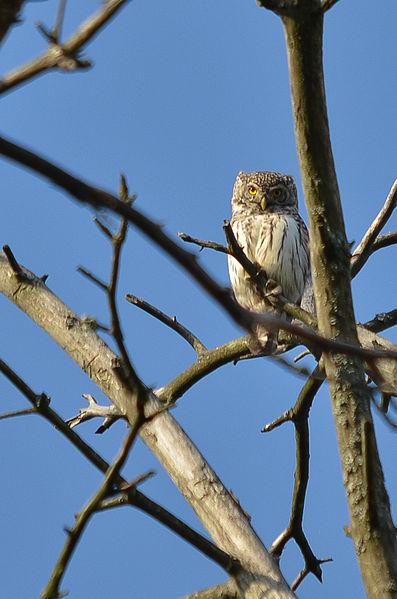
<point>269,229</point>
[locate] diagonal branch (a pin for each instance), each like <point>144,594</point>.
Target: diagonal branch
<point>82,519</point>
<point>364,249</point>
<point>65,55</point>
<point>382,321</point>
<point>135,498</point>
<point>218,511</point>
<point>99,198</point>
<point>171,322</point>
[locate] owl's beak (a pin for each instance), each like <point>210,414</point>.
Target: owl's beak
<point>263,203</point>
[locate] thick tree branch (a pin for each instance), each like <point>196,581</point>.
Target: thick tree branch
<point>376,548</point>
<point>382,321</point>
<point>130,494</point>
<point>213,504</point>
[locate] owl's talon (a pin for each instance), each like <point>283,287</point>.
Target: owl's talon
<point>272,288</point>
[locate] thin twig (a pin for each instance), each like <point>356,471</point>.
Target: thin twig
<point>92,277</point>
<point>65,55</point>
<point>299,415</point>
<point>12,261</point>
<point>362,252</point>
<point>57,30</point>
<point>384,241</point>
<point>171,322</point>
<point>74,535</point>
<point>305,571</point>
<point>18,413</point>
<point>213,245</point>
<point>118,240</point>
<point>134,496</point>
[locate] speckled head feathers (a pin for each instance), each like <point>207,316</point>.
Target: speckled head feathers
<point>264,190</point>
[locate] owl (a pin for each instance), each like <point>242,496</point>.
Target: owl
<point>269,229</point>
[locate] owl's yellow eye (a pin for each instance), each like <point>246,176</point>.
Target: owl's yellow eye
<point>252,190</point>
<point>276,192</point>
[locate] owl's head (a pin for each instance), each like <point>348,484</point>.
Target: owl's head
<point>264,190</point>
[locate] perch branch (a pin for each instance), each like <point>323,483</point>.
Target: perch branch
<point>98,198</point>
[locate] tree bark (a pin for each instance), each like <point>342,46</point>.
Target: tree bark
<point>371,523</point>
<point>217,510</point>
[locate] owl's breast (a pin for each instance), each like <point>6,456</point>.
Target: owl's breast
<point>282,251</point>
<point>279,243</point>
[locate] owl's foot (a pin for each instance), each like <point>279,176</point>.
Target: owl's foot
<point>272,291</point>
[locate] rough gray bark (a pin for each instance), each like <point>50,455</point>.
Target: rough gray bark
<point>218,511</point>
<point>372,528</point>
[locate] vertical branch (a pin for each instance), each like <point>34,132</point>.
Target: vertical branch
<point>376,546</point>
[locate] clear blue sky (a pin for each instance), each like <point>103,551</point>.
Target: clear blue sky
<point>181,97</point>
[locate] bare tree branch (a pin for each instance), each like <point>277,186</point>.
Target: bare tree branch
<point>377,551</point>
<point>299,415</point>
<point>73,536</point>
<point>382,321</point>
<point>131,495</point>
<point>218,247</point>
<point>94,410</point>
<point>63,56</point>
<point>171,322</point>
<point>364,249</point>
<point>302,575</point>
<point>17,413</point>
<point>219,512</point>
